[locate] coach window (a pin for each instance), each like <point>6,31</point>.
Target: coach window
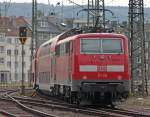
<point>67,47</point>
<point>58,50</point>
<point>71,46</point>
<point>47,50</point>
<point>43,51</point>
<point>62,49</point>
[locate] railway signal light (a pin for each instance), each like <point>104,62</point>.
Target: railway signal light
<point>22,34</point>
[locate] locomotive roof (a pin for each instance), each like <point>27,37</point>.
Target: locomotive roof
<point>84,31</point>
<point>59,37</point>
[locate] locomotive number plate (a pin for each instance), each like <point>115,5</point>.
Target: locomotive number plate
<point>102,68</point>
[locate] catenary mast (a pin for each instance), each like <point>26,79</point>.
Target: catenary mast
<point>137,46</point>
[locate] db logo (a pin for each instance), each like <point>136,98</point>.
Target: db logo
<point>101,68</point>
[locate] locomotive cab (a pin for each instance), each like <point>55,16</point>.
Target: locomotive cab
<point>101,67</point>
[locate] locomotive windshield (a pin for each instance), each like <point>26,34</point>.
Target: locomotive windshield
<point>95,46</point>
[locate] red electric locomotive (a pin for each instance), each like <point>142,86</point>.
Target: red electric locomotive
<point>91,67</point>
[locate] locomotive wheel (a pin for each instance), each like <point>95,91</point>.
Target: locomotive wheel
<point>71,100</point>
<point>113,104</point>
<point>52,91</point>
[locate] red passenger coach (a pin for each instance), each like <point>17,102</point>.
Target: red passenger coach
<point>89,67</point>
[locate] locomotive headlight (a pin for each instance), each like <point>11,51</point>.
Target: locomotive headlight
<point>84,77</point>
<point>119,77</point>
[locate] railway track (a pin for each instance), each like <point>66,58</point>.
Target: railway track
<point>119,111</point>
<point>3,91</point>
<point>13,108</point>
<point>58,108</point>
<point>80,110</point>
<point>53,108</point>
<point>122,112</point>
<point>5,113</point>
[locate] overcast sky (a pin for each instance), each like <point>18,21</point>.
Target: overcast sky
<point>107,2</point>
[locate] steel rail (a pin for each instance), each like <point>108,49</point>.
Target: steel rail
<point>7,113</point>
<point>74,108</point>
<point>37,112</point>
<point>66,107</point>
<point>123,112</point>
<point>83,110</point>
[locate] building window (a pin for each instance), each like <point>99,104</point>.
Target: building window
<point>43,24</point>
<point>2,36</point>
<point>8,52</point>
<point>9,64</point>
<point>9,40</point>
<point>16,40</point>
<point>138,60</point>
<point>147,35</point>
<point>45,36</point>
<point>40,36</point>
<point>16,52</point>
<point>16,64</point>
<point>24,64</point>
<point>24,52</point>
<point>52,35</point>
<point>3,78</point>
<point>16,76</point>
<point>146,45</point>
<point>1,49</point>
<point>146,56</point>
<point>1,60</point>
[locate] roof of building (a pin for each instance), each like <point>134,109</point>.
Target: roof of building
<point>10,25</point>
